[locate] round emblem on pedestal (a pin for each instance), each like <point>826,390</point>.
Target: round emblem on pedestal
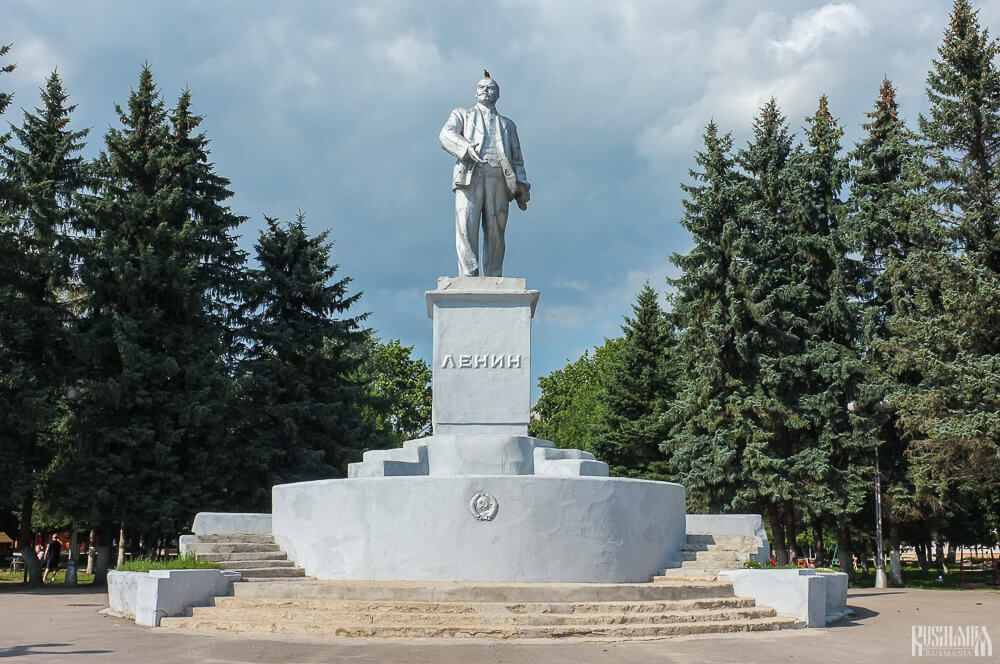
<point>483,506</point>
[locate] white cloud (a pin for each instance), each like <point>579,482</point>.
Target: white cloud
<point>412,56</point>
<point>808,31</point>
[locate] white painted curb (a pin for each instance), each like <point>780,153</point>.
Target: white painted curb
<point>148,596</point>
<point>815,598</point>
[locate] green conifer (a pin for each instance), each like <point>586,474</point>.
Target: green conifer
<point>300,386</point>
<point>155,388</point>
<point>827,456</point>
<point>948,326</point>
<point>715,412</point>
<point>641,384</point>
<point>44,175</point>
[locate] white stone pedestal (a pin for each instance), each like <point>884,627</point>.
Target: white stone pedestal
<point>482,355</point>
<point>480,500</point>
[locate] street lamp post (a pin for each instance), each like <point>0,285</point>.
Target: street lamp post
<point>74,395</point>
<point>881,580</point>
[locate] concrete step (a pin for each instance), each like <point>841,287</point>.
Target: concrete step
<point>576,608</point>
<point>714,554</point>
<point>484,592</point>
<point>254,555</point>
<point>256,564</point>
<point>200,548</point>
<point>686,575</point>
<point>740,543</point>
<point>488,617</point>
<point>707,564</point>
<point>236,539</point>
<point>268,573</point>
<point>590,631</point>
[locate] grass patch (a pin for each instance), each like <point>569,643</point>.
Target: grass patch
<point>187,561</point>
<point>16,578</point>
<point>914,578</point>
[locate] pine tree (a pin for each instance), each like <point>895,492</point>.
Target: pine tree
<point>773,295</point>
<point>47,174</point>
<point>640,385</point>
<point>153,410</point>
<point>828,456</point>
<point>201,196</point>
<point>894,230</point>
<point>953,415</point>
<point>300,393</point>
<point>715,412</point>
<point>963,134</point>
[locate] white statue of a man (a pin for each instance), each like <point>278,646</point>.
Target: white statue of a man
<point>489,173</point>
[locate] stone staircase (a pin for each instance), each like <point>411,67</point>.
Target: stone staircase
<point>488,610</point>
<point>255,557</point>
<point>702,557</point>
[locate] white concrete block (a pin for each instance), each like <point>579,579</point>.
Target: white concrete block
<point>749,525</point>
<point>482,455</point>
<point>481,355</point>
<point>148,596</point>
<point>815,598</point>
<point>480,528</point>
<point>186,543</point>
<point>836,594</point>
<point>231,523</point>
<point>123,589</point>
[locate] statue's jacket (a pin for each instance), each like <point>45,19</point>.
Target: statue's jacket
<point>467,126</point>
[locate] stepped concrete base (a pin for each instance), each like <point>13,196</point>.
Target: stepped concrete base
<point>254,556</point>
<point>705,556</point>
<point>541,610</point>
<point>480,528</point>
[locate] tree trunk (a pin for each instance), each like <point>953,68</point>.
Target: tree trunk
<point>863,557</point>
<point>103,554</point>
<point>921,556</point>
<point>792,534</point>
<point>121,546</point>
<point>91,542</point>
<point>845,553</point>
<point>939,558</point>
<point>895,562</point>
<point>950,558</point>
<point>820,552</point>
<point>778,535</point>
<point>32,566</point>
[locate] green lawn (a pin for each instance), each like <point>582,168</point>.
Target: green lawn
<point>914,578</point>
<point>8,579</point>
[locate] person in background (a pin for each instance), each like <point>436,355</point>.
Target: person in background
<point>51,561</point>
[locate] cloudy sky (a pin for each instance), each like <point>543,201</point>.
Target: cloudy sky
<point>335,107</point>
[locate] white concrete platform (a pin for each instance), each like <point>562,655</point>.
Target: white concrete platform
<point>514,528</point>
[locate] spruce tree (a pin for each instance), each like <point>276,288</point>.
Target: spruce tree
<point>154,389</point>
<point>300,390</point>
<point>715,412</point>
<point>949,325</point>
<point>46,174</point>
<point>773,293</point>
<point>828,455</point>
<point>893,229</point>
<point>640,385</point>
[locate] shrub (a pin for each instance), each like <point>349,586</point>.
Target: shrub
<point>187,561</point>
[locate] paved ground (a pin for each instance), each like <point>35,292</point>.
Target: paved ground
<point>53,625</point>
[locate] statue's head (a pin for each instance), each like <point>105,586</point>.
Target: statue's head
<point>487,90</point>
